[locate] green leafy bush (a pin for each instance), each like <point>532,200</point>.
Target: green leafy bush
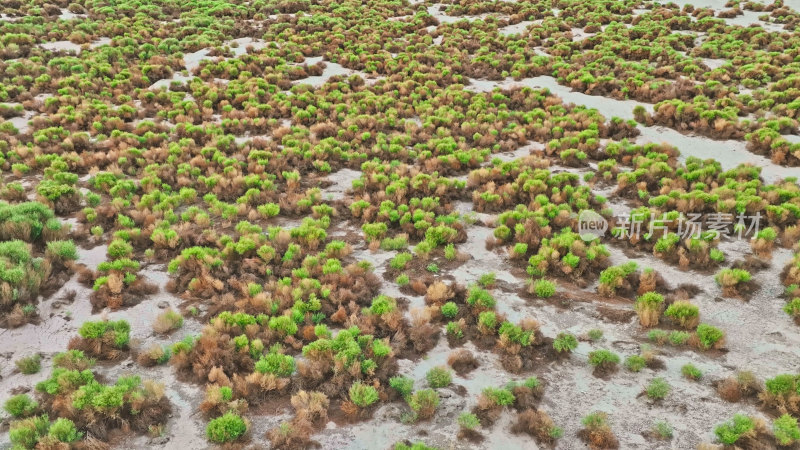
<point>480,298</point>
<point>64,250</point>
<point>663,430</point>
<point>793,308</point>
<point>786,430</point>
<point>603,358</point>
<point>730,432</point>
<point>438,377</point>
<point>454,329</point>
<point>73,360</point>
<point>26,433</point>
<point>499,396</point>
<point>691,372</point>
<point>116,332</point>
<point>635,363</point>
<point>424,403</point>
<point>544,288</point>
<point>657,389</point>
<point>403,385</point>
<point>276,363</point>
<point>468,421</point>
<point>226,428</point>
<point>29,364</point>
<point>565,343</point>
<point>449,310</point>
<point>64,430</point>
<point>708,336</point>
<point>684,313</point>
<point>363,395</point>
<point>21,406</point>
<point>678,338</point>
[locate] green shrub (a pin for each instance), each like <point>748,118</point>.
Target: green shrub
<point>64,250</point>
<point>691,372</point>
<point>782,384</point>
<point>499,396</point>
<point>786,430</point>
<point>29,364</point>
<point>679,338</point>
<point>403,385</point>
<point>449,310</point>
<point>565,343</point>
<point>397,243</point>
<point>648,307</point>
<point>276,363</point>
<point>118,249</point>
<point>595,334</point>
<point>363,395</point>
<point>768,234</point>
<point>454,329</point>
<point>479,297</point>
<point>663,430</point>
<point>604,358</point>
<point>382,304</point>
<point>613,277</point>
<point>226,428</point>
<point>283,324</point>
<point>532,382</point>
<point>487,279</point>
<point>793,308</point>
<point>26,221</point>
<point>64,430</point>
<point>684,313</point>
<point>657,389</point>
<point>708,335</point>
<point>27,432</point>
<point>595,421</point>
<point>487,320</point>
<point>730,432</point>
<point>544,288</point>
<point>657,336</point>
<point>468,421</point>
<point>649,300</point>
<point>402,280</point>
<point>20,406</point>
<point>400,260</point>
<point>118,331</point>
<point>635,363</point>
<point>732,277</point>
<point>515,333</point>
<point>73,360</point>
<point>424,403</point>
<point>438,377</point>
<point>450,252</point>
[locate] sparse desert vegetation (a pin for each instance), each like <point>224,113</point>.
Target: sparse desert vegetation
<point>400,224</point>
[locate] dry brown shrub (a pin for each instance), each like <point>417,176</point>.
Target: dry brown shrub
<point>536,423</point>
<point>311,407</point>
<point>462,361</point>
<point>438,293</point>
<point>295,434</point>
<point>167,322</point>
<point>487,410</point>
